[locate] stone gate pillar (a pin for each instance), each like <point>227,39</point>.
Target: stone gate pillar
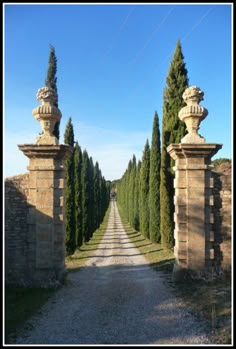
<point>194,219</point>
<point>46,246</point>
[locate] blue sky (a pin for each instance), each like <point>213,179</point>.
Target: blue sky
<point>112,66</point>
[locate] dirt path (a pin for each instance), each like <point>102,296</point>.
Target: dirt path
<point>115,299</point>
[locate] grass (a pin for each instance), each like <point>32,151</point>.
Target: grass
<point>20,305</point>
<point>88,249</point>
<point>208,300</point>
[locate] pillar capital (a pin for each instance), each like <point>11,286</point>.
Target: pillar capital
<point>186,150</point>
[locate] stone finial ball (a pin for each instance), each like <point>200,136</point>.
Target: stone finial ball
<point>46,93</point>
<point>193,93</point>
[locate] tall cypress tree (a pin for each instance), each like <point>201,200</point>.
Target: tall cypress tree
<point>70,192</point>
<point>91,198</point>
<point>173,130</point>
<point>154,183</point>
<point>97,196</point>
<point>78,195</point>
<point>144,191</point>
<point>51,81</point>
<point>85,196</point>
<point>131,190</point>
<point>136,197</point>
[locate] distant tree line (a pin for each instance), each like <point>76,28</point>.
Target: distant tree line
<point>145,191</point>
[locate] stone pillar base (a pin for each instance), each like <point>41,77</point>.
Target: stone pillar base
<point>46,234</point>
<point>194,218</point>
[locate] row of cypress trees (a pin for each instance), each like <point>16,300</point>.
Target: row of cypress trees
<point>138,190</point>
<point>87,194</point>
<point>86,190</point>
<point>145,191</point>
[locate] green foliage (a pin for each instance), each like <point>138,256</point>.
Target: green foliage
<point>70,192</point>
<point>131,190</point>
<point>144,191</point>
<point>167,207</point>
<point>69,133</point>
<point>97,195</point>
<point>51,81</point>
<point>172,131</point>
<point>85,196</point>
<point>136,197</point>
<point>154,183</point>
<point>78,195</point>
<point>91,210</point>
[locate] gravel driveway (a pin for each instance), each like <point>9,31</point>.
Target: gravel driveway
<point>115,299</point>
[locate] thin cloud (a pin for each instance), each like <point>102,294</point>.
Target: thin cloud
<point>152,35</point>
<point>199,21</point>
<point>116,36</point>
<point>196,24</point>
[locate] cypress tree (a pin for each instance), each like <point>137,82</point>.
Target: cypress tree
<point>127,190</point>
<point>144,191</point>
<point>104,197</point>
<point>136,197</point>
<point>78,195</point>
<point>51,81</point>
<point>173,130</point>
<point>131,190</point>
<point>91,198</point>
<point>70,192</point>
<point>154,182</point>
<point>85,195</point>
<point>97,196</point>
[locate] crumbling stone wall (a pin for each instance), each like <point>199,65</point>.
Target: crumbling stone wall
<point>16,229</point>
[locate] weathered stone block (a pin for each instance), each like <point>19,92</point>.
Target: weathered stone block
<point>59,218</point>
<point>44,232</point>
<point>180,183</point>
<point>59,183</point>
<point>212,236</point>
<point>195,160</point>
<point>180,235</point>
<point>180,200</point>
<point>45,216</point>
<point>180,192</point>
<point>181,253</point>
<point>45,183</point>
<point>44,256</point>
<point>196,193</point>
<point>180,218</point>
<point>212,253</point>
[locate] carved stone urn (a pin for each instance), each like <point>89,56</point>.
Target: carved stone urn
<point>193,114</point>
<point>47,114</point>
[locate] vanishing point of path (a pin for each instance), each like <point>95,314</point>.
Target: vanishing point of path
<point>116,298</point>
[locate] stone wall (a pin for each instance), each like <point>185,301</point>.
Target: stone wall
<point>16,229</point>
<point>223,197</point>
